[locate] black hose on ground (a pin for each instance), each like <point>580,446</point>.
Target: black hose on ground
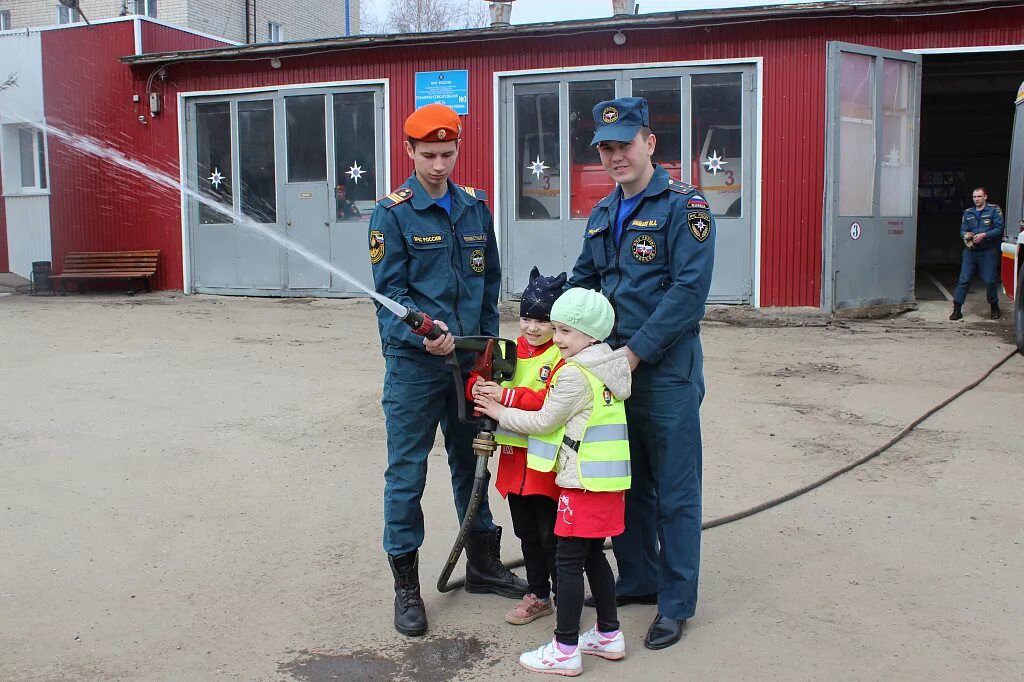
<point>768,504</point>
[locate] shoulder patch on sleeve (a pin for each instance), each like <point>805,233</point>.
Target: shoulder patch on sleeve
<point>681,187</point>
<point>398,196</point>
<point>697,201</point>
<point>478,194</point>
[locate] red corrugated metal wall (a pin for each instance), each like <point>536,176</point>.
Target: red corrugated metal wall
<point>95,205</point>
<point>5,264</point>
<point>793,104</point>
<point>157,38</point>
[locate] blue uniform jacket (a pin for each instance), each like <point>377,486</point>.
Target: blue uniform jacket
<point>991,223</point>
<point>659,276</point>
<point>446,268</point>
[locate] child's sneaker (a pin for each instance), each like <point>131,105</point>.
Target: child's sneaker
<point>528,610</point>
<point>550,659</point>
<point>594,643</point>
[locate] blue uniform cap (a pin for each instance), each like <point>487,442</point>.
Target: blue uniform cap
<point>619,120</point>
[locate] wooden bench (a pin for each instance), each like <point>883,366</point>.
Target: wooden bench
<point>129,265</point>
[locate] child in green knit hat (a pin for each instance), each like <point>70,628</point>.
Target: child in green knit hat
<point>580,433</point>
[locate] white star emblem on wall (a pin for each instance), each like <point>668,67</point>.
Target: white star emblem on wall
<point>537,167</point>
<point>715,163</point>
<point>216,178</point>
<point>355,172</point>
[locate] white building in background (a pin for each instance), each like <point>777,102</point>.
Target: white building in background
<point>242,21</point>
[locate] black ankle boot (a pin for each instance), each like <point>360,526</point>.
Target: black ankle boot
<point>410,615</point>
<point>956,314</point>
<point>484,571</point>
<point>996,312</point>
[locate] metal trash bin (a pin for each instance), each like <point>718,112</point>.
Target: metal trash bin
<point>41,271</point>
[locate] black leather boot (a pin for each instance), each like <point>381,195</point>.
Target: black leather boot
<point>956,314</point>
<point>996,312</point>
<point>484,571</point>
<point>410,615</point>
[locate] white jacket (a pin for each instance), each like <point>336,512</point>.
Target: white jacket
<point>570,401</point>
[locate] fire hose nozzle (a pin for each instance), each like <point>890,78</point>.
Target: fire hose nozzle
<point>422,325</point>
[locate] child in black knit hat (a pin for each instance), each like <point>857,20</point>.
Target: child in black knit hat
<point>532,495</point>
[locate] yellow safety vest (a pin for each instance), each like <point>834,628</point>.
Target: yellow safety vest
<point>532,373</point>
<point>602,460</point>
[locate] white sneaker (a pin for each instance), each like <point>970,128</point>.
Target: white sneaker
<point>594,643</point>
<point>550,659</point>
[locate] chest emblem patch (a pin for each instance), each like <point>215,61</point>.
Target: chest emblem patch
<point>476,260</point>
<point>607,396</point>
<point>545,372</point>
<point>699,224</point>
<point>376,246</point>
<point>427,239</point>
<point>644,248</point>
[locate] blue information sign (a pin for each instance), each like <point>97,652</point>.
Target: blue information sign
<point>443,87</point>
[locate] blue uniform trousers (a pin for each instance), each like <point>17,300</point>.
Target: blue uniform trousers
<point>415,400</point>
<point>660,550</point>
<point>986,263</point>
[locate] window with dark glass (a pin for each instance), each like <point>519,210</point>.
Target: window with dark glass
<point>664,102</point>
<point>588,180</point>
<point>538,144</point>
<point>256,188</point>
<point>307,138</point>
<point>355,156</point>
<point>716,108</point>
<point>213,162</point>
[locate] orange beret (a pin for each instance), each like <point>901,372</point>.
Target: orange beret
<point>433,123</point>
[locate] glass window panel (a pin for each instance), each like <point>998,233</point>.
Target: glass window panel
<point>895,193</point>
<point>716,102</point>
<point>538,144</point>
<point>27,154</point>
<point>856,134</point>
<point>257,188</point>
<point>307,138</point>
<point>213,161</point>
<point>588,180</point>
<point>664,99</point>
<point>355,155</point>
<point>41,158</point>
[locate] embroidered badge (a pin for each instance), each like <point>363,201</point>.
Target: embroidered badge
<point>610,115</point>
<point>697,201</point>
<point>476,260</point>
<point>427,239</point>
<point>470,238</point>
<point>607,395</point>
<point>644,248</point>
<point>376,246</point>
<point>645,223</point>
<point>545,372</point>
<point>700,225</point>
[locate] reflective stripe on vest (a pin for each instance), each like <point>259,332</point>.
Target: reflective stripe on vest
<point>603,455</point>
<point>529,374</point>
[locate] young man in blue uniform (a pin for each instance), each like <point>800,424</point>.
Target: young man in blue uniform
<point>432,249</point>
<point>649,246</point>
<point>981,228</point>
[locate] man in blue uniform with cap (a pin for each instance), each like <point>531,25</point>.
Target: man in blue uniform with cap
<point>432,249</point>
<point>649,246</point>
<point>981,228</point>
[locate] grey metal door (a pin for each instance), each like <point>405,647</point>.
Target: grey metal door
<point>307,209</point>
<point>308,224</point>
<point>873,128</point>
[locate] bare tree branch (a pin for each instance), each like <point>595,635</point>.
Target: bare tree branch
<point>421,16</point>
<point>11,82</point>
